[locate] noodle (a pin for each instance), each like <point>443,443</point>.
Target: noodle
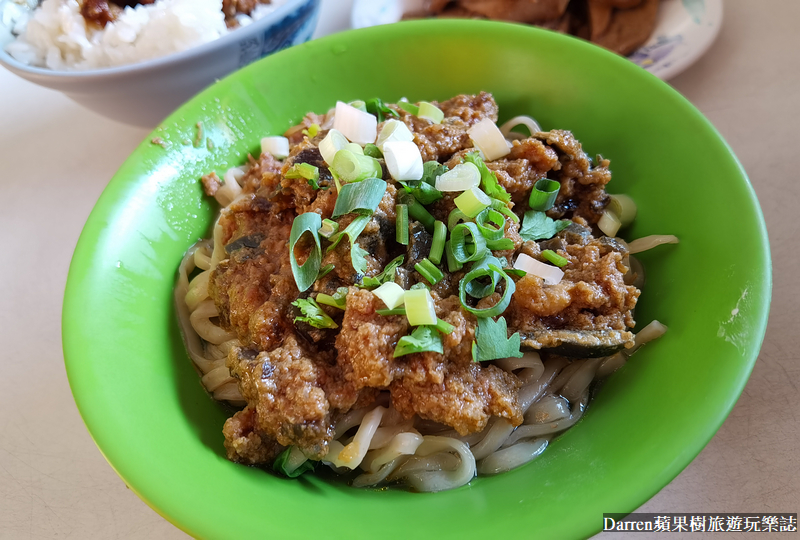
<point>386,446</point>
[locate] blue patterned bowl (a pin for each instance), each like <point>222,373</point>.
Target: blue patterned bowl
<point>143,94</point>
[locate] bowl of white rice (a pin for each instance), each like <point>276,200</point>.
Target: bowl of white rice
<point>136,61</point>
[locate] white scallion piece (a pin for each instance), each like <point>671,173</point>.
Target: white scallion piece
<point>624,207</point>
<point>648,242</point>
<point>391,293</point>
<point>420,308</point>
<point>355,148</point>
<point>403,160</point>
<point>460,178</point>
<point>429,111</point>
<point>393,130</point>
<point>332,143</point>
<point>358,126</point>
<point>277,146</point>
<point>488,138</point>
<point>609,223</point>
<point>550,274</point>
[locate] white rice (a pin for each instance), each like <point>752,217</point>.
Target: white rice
<point>56,36</point>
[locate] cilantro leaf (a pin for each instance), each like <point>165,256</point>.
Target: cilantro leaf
<point>422,339</point>
<point>279,465</point>
<point>313,314</point>
<point>537,226</point>
<point>492,341</point>
<point>489,182</point>
<point>432,170</point>
<point>358,256</point>
<point>383,277</point>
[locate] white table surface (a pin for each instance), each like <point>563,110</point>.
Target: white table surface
<point>57,157</point>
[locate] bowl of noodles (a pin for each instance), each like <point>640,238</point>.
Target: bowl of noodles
<point>174,423</point>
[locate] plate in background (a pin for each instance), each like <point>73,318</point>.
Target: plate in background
<point>684,32</point>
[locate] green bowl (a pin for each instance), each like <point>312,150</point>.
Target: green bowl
<point>141,398</point>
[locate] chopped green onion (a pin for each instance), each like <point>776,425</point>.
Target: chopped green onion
<point>492,341</point>
<point>515,272</point>
<point>361,197</point>
<point>543,195</point>
<point>429,271</point>
<point>355,148</point>
<point>376,107</point>
<point>352,167</point>
<point>337,300</point>
<point>503,208</point>
<point>478,289</point>
<point>501,305</point>
<point>332,143</point>
<point>609,223</point>
<point>401,224</point>
<point>386,275</point>
<point>329,228</point>
<point>460,178</point>
<point>325,270</point>
<point>489,181</point>
<point>624,207</point>
<point>444,327</point>
<point>305,274</point>
<point>420,285</point>
<point>493,217</point>
<point>452,264</point>
<point>313,314</point>
<point>420,309</point>
<point>472,202</point>
<point>372,151</point>
<point>464,251</point>
<point>352,231</point>
<point>439,238</point>
<point>358,256</point>
<point>429,111</point>
<point>500,245</point>
<point>312,131</point>
<point>292,463</point>
<point>408,107</point>
<point>391,293</point>
<point>390,312</point>
<point>304,170</point>
<point>422,339</point>
<point>358,104</point>
<point>554,258</point>
<point>417,211</point>
<point>455,217</point>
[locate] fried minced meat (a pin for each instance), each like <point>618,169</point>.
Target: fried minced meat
<point>297,380</point>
